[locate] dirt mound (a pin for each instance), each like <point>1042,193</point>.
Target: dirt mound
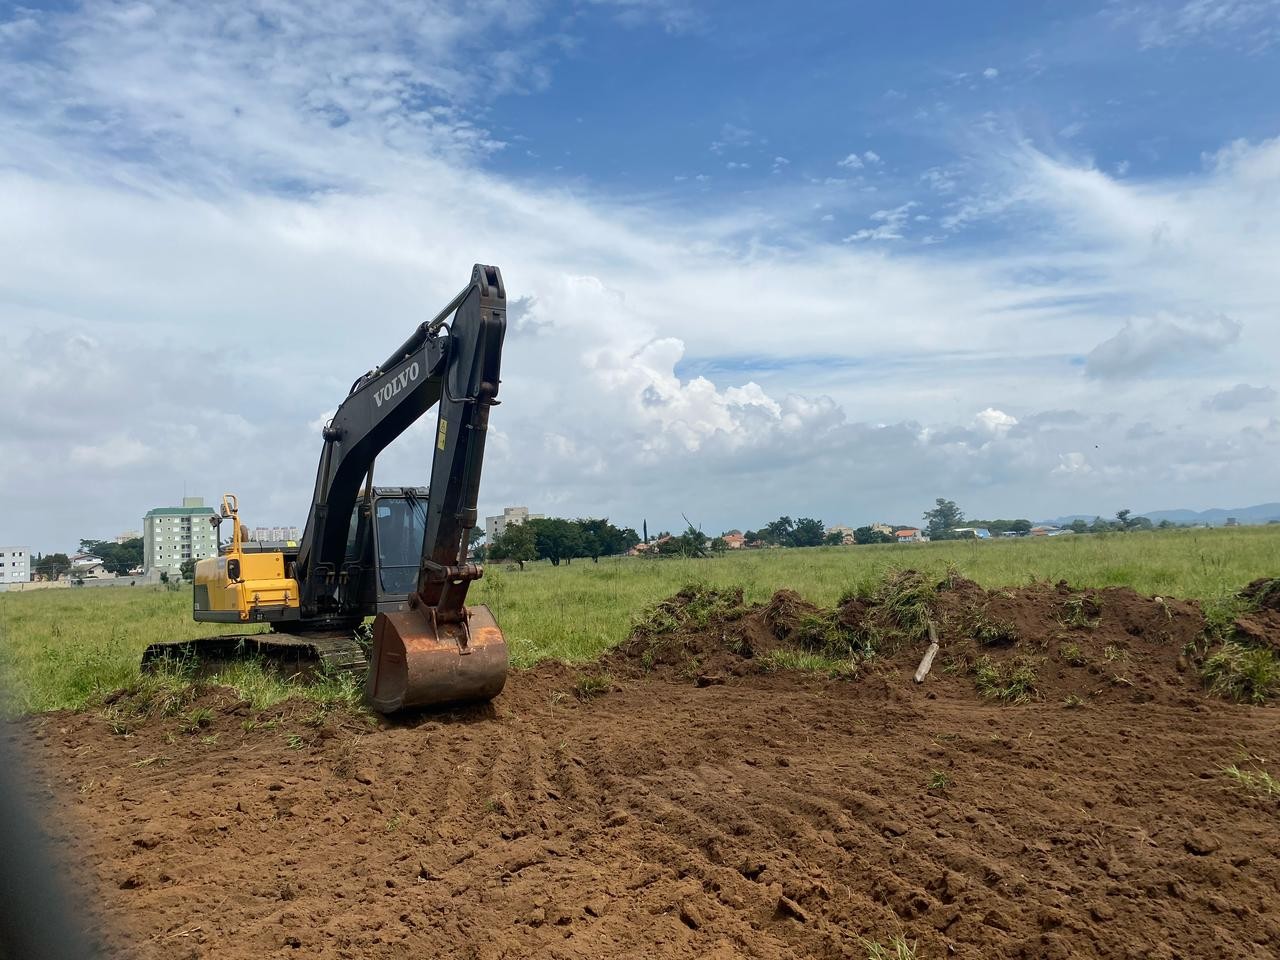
<point>1263,594</point>
<point>1259,624</point>
<point>1038,642</point>
<point>771,816</point>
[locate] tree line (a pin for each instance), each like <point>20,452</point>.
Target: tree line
<point>557,540</point>
<point>118,558</point>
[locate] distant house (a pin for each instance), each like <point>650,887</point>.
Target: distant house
<point>909,535</point>
<point>846,533</point>
<point>734,540</point>
<point>979,533</point>
<point>85,566</point>
<point>1046,530</point>
<point>884,528</point>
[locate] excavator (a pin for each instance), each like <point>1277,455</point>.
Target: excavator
<point>397,554</point>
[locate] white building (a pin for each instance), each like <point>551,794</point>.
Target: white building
<point>15,565</point>
<point>85,566</point>
<point>273,534</point>
<point>173,535</point>
<point>495,527</point>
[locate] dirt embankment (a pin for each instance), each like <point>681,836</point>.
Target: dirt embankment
<point>1039,642</point>
<point>703,801</point>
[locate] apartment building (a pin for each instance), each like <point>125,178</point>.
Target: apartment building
<point>15,565</point>
<point>173,535</point>
<point>495,527</point>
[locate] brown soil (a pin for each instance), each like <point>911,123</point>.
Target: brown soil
<point>762,814</point>
<point>1261,625</point>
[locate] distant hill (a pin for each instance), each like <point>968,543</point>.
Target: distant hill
<point>1259,513</point>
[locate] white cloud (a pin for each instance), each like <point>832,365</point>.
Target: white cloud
<point>991,73</point>
<point>890,224</point>
<point>732,136</point>
<point>995,421</point>
<point>1249,25</point>
<point>111,454</point>
<point>1147,342</point>
<point>1238,397</point>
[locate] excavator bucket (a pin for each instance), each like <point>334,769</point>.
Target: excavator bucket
<point>417,662</point>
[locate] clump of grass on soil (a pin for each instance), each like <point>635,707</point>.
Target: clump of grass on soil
<point>897,949</point>
<point>692,607</point>
<point>589,686</point>
<point>991,632</point>
<point>1010,681</point>
<point>1242,673</point>
<point>1239,669</point>
<point>1257,781</point>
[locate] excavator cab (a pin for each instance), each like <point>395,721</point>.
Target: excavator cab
<point>399,523</point>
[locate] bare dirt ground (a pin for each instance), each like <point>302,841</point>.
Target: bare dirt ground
<point>701,807</point>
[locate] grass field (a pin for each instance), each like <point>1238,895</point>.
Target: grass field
<point>58,648</point>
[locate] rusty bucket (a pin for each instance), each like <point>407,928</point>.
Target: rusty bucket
<point>417,662</point>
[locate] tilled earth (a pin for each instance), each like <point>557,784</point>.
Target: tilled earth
<point>693,812</point>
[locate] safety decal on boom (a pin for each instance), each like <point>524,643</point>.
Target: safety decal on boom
<point>440,435</point>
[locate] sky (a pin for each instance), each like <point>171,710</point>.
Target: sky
<point>816,259</point>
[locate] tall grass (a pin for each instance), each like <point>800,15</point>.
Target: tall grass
<point>59,647</point>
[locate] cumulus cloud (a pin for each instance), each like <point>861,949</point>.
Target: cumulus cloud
<point>856,161</point>
<point>1147,342</point>
<point>1238,397</point>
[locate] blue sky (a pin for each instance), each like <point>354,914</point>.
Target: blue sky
<point>815,259</point>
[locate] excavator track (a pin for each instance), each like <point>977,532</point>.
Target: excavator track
<point>292,655</point>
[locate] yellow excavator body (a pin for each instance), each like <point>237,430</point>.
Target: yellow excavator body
<point>251,585</point>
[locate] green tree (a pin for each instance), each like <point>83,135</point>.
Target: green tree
<point>719,545</point>
<point>516,544</point>
<point>600,538</point>
<point>834,538</point>
<point>1099,526</point>
<point>1079,526</point>
<point>865,535</point>
<point>692,543</point>
<point>807,532</point>
<point>778,532</point>
<point>942,518</point>
<point>188,570</point>
<point>556,539</point>
<point>53,565</point>
<point>1125,521</point>
<point>118,558</point>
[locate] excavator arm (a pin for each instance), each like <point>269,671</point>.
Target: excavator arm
<point>456,367</point>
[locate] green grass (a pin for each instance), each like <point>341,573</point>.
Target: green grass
<point>1012,681</point>
<point>1257,781</point>
<point>64,648</point>
<point>1241,673</point>
<point>896,949</point>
